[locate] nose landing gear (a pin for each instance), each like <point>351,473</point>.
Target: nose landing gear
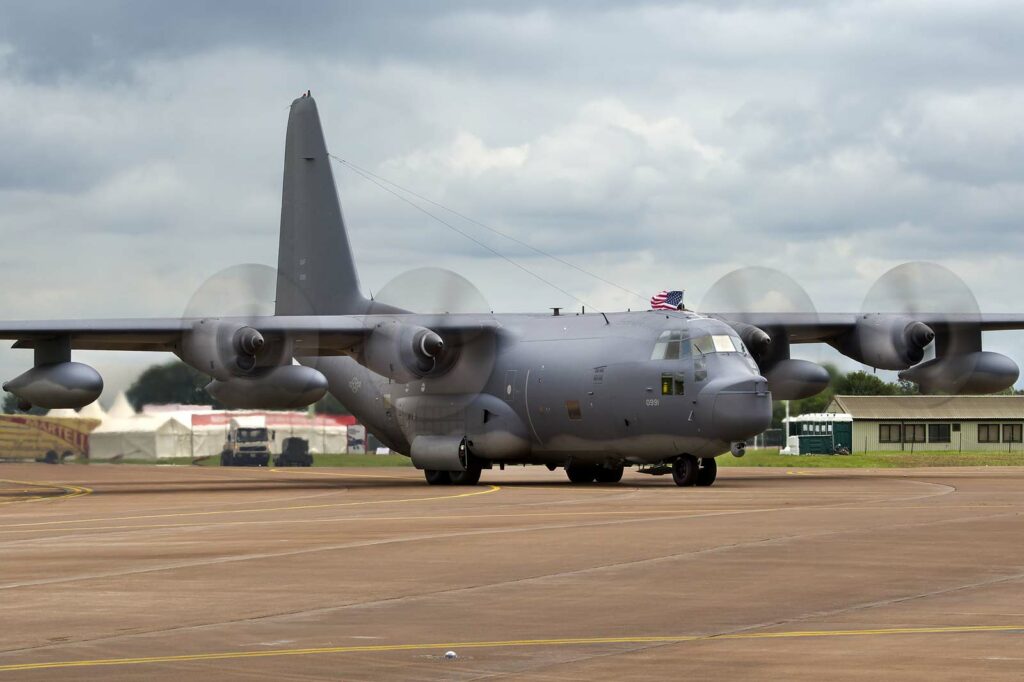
<point>687,471</point>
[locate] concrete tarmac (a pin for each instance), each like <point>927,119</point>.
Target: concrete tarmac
<point>137,572</point>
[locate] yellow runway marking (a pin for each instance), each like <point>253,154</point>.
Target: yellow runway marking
<point>69,491</point>
<point>490,489</point>
<point>567,641</point>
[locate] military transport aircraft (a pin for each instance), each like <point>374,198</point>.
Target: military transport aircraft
<point>667,390</point>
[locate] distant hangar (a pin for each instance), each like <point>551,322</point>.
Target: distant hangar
<point>914,423</point>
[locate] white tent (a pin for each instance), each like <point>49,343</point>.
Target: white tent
<point>66,413</point>
<point>141,437</point>
<point>121,408</point>
<point>93,411</point>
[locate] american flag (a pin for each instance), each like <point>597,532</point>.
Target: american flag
<point>667,300</point>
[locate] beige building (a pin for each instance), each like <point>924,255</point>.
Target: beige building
<point>934,423</point>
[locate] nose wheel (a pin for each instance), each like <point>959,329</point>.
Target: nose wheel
<point>688,471</point>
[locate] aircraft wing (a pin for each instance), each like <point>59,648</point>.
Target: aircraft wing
<point>823,327</point>
<point>321,335</point>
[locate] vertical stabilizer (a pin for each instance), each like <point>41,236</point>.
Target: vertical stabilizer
<point>315,271</point>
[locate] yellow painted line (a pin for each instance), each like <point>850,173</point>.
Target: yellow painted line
<point>69,491</point>
<point>490,489</point>
<point>566,641</point>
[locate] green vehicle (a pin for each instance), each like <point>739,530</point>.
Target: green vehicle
<point>294,453</point>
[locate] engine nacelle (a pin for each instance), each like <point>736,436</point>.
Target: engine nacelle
<point>276,388</point>
<point>754,338</point>
<point>402,352</point>
<point>57,385</point>
<point>221,349</point>
<point>978,372</point>
<point>885,341</point>
<point>796,379</point>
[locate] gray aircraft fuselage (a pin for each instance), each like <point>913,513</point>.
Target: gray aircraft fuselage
<point>575,388</point>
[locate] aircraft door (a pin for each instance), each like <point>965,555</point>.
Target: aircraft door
<point>624,388</point>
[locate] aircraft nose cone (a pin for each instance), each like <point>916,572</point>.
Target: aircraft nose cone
<point>742,408</point>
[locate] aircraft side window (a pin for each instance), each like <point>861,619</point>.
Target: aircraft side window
<point>673,384</point>
<point>739,345</point>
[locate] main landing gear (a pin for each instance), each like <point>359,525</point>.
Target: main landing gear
<point>589,473</point>
<point>687,471</point>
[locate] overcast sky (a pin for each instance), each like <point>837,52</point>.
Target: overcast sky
<point>659,145</point>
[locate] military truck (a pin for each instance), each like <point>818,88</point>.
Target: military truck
<point>294,453</point>
<point>248,443</point>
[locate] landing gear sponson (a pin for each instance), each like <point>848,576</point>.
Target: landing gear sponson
<point>471,476</point>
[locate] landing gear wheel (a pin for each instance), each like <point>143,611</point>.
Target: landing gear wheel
<point>471,476</point>
<point>435,477</point>
<point>609,475</point>
<point>685,470</point>
<point>708,472</point>
<point>581,473</point>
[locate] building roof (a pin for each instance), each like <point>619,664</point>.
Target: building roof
<point>962,407</point>
<point>820,417</point>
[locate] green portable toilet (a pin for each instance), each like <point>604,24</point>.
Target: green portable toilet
<point>821,433</point>
<point>842,435</point>
<point>816,445</point>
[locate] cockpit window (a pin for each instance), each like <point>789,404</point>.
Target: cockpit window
<point>672,345</point>
<point>717,343</point>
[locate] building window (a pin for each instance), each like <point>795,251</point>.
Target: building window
<point>1012,433</point>
<point>889,433</point>
<point>573,408</point>
<point>913,433</point>
<point>956,428</point>
<point>938,433</point>
<point>988,433</point>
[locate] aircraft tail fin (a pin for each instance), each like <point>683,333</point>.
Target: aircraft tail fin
<point>316,274</point>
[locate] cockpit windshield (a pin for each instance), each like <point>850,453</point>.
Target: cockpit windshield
<point>672,345</point>
<point>717,343</point>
